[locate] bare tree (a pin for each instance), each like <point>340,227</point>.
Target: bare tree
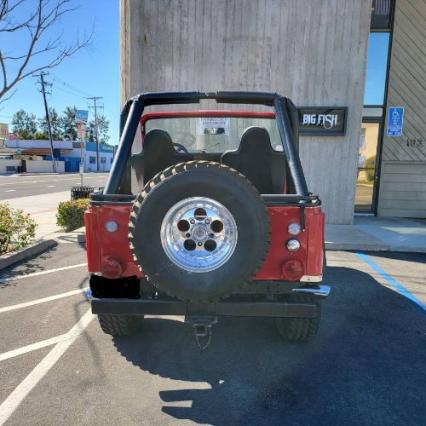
<point>39,25</point>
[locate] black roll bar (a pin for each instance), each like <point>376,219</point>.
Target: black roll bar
<point>286,134</point>
<point>133,110</point>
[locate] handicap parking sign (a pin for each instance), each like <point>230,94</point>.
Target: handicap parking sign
<point>395,121</point>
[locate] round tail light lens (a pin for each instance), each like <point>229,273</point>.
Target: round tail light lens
<point>292,270</point>
<point>111,268</point>
<point>111,226</point>
<point>293,245</point>
<point>294,229</point>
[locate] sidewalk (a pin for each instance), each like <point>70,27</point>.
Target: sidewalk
<point>42,209</point>
<point>369,233</point>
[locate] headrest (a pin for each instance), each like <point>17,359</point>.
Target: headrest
<point>158,140</point>
<point>255,139</point>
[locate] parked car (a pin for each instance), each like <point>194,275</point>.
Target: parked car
<point>209,216</point>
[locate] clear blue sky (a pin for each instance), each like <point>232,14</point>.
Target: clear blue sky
<point>376,68</point>
<point>91,72</point>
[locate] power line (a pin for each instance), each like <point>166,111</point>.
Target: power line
<point>95,107</point>
<point>66,91</point>
<point>70,87</point>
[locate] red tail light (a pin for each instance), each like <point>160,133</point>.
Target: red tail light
<point>292,270</point>
<point>111,268</point>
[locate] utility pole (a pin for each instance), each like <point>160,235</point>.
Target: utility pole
<point>95,108</point>
<point>49,127</point>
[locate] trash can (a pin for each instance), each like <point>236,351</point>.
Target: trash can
<point>81,192</point>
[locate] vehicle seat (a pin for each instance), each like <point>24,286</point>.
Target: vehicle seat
<point>255,159</point>
<point>157,154</point>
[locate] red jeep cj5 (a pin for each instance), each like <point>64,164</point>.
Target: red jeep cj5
<point>209,215</point>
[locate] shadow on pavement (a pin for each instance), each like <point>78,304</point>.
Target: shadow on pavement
<point>28,266</point>
<point>366,366</point>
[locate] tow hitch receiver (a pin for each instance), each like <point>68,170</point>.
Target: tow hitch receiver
<point>202,316</point>
<point>202,329</point>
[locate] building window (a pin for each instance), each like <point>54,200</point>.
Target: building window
<point>377,61</point>
<point>381,15</point>
<point>92,160</point>
<point>103,160</point>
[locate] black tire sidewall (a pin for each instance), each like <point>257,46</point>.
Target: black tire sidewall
<point>245,205</point>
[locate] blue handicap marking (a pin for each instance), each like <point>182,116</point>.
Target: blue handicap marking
<point>395,121</point>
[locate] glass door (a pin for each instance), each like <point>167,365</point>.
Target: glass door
<point>367,177</point>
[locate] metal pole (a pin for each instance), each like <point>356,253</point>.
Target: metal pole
<point>96,135</point>
<point>95,107</point>
<point>81,161</point>
<point>49,129</point>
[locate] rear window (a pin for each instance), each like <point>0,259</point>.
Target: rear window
<point>212,134</point>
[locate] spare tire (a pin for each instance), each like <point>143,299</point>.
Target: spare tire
<point>198,230</point>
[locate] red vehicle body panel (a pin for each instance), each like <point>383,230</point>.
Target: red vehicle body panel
<point>109,254</point>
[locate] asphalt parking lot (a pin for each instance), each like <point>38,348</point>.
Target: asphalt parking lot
<point>16,186</point>
<point>366,366</point>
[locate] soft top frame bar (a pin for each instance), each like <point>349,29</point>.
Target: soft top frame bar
<point>285,112</point>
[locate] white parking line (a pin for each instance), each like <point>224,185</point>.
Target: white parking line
<point>33,347</point>
<point>36,274</point>
<point>43,300</point>
<point>12,402</point>
<point>10,190</point>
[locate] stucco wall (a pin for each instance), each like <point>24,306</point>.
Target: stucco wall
<point>44,166</point>
<point>313,51</point>
<point>8,163</point>
<point>33,166</point>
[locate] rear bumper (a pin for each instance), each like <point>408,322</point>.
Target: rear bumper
<point>113,306</point>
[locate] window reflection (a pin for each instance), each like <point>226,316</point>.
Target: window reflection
<point>366,167</point>
<point>377,58</point>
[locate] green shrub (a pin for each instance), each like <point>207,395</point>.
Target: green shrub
<point>70,214</point>
<point>17,229</point>
<point>370,163</point>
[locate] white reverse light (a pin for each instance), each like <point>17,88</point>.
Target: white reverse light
<point>111,226</point>
<point>294,229</point>
<point>293,245</point>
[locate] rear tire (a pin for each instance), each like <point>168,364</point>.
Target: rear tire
<point>299,330</point>
<point>119,325</point>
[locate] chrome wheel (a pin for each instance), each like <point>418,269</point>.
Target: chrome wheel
<point>199,234</point>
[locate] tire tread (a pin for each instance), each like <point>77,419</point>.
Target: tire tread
<point>118,325</point>
<point>182,168</point>
<point>299,330</point>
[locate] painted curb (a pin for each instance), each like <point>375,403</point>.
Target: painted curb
<point>372,247</point>
<point>38,247</point>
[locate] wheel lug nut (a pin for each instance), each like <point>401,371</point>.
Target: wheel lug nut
<point>188,235</point>
<point>206,221</point>
<point>200,244</point>
<point>192,221</point>
<point>211,235</point>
